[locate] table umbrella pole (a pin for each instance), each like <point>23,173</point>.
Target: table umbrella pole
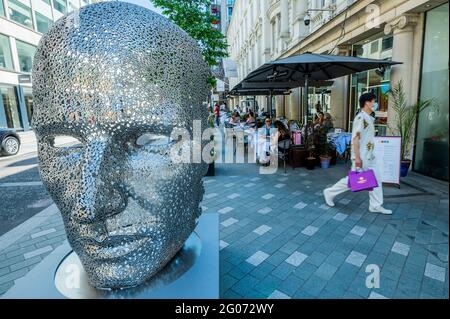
<point>305,105</point>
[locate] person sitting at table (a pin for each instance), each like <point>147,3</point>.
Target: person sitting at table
<point>235,119</point>
<point>327,122</point>
<point>318,122</point>
<point>250,118</point>
<point>283,133</point>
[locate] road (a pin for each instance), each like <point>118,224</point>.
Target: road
<point>22,194</point>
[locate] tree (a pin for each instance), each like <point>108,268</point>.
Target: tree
<point>194,17</point>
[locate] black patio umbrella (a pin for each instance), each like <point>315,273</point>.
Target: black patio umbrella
<point>308,68</point>
<point>272,88</point>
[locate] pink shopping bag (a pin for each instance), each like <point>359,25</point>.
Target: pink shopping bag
<point>362,181</point>
<point>297,138</point>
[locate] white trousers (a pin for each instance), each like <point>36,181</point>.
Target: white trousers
<point>376,196</point>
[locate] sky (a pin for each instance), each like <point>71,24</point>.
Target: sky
<point>144,3</point>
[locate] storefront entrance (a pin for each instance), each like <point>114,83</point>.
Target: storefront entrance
<point>431,153</point>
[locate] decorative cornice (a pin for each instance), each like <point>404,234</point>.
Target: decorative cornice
<point>401,23</point>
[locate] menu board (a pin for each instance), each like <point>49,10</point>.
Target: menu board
<point>388,153</point>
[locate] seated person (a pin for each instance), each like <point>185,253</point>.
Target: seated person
<point>283,135</point>
<point>250,118</point>
<point>318,122</point>
<point>328,122</point>
<point>235,119</point>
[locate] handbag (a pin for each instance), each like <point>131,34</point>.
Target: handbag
<point>362,181</point>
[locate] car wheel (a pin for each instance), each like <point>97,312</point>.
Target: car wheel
<point>11,146</point>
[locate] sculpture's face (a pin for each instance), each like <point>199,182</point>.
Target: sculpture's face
<point>120,86</point>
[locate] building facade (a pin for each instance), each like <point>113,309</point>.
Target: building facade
<point>22,23</point>
<point>414,32</point>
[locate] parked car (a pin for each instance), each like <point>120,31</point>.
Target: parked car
<point>9,142</point>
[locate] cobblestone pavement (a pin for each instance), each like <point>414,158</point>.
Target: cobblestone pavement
<point>279,240</point>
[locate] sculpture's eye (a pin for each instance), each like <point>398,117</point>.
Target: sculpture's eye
<point>65,142</point>
<point>150,139</point>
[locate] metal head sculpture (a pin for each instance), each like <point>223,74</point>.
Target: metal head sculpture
<point>119,78</point>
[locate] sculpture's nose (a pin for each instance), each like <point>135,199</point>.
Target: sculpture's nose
<point>92,188</point>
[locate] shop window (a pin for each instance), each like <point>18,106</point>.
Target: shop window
<point>25,52</point>
<point>5,53</point>
<point>42,22</point>
<point>20,13</point>
<point>11,107</point>
<point>431,153</point>
<point>375,81</point>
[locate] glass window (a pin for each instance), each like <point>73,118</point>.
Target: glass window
<point>28,97</point>
<point>375,81</point>
<point>42,22</point>
<point>11,107</point>
<point>20,13</point>
<point>25,52</point>
<point>60,5</point>
<point>5,53</point>
<point>2,9</point>
<point>431,154</point>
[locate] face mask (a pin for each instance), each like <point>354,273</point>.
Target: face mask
<point>375,107</point>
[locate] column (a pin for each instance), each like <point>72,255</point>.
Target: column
<point>339,96</point>
<point>403,29</point>
<point>294,104</point>
<point>279,105</point>
<point>266,35</point>
<point>302,7</point>
<point>285,34</point>
<point>403,51</point>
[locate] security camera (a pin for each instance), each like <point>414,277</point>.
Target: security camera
<point>307,19</point>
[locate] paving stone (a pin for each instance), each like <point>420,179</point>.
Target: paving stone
<point>261,230</point>
<point>265,210</point>
<point>230,221</point>
<point>375,295</point>
<point>435,272</point>
<point>310,230</point>
<point>257,258</point>
<point>233,196</point>
<point>300,205</point>
<point>223,244</point>
<point>43,233</point>
<point>358,231</point>
<point>268,196</point>
<point>326,271</point>
<point>225,210</point>
<point>340,217</point>
<point>278,295</point>
<point>38,252</point>
<point>355,258</point>
<point>296,259</point>
<point>400,248</point>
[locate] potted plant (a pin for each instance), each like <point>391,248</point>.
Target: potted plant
<point>323,149</point>
<point>406,117</point>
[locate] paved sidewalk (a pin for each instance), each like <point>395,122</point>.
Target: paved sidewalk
<point>279,240</point>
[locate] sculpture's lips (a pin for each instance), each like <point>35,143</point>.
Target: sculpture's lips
<point>112,247</point>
